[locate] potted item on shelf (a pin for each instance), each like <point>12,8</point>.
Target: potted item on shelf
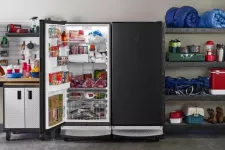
<point>176,117</point>
<point>217,84</point>
<point>194,114</point>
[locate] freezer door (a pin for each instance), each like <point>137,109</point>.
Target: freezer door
<point>32,104</point>
<point>52,97</point>
<point>14,108</point>
<point>137,98</point>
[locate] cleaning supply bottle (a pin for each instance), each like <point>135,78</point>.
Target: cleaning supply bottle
<point>28,69</point>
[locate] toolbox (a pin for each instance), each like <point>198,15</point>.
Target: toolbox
<point>193,114</point>
<point>217,84</point>
<point>180,57</point>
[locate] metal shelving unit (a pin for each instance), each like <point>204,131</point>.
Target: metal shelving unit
<point>195,31</point>
<point>195,64</point>
<point>22,34</point>
<point>174,127</point>
<point>195,98</point>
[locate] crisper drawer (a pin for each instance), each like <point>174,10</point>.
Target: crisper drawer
<point>14,108</point>
<point>32,108</point>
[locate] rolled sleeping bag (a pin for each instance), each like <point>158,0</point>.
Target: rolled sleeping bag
<point>169,18</point>
<point>186,17</point>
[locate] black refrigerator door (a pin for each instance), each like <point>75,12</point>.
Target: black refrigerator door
<point>137,71</point>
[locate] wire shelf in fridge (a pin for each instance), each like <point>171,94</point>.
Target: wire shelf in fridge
<point>87,100</point>
<point>87,89</point>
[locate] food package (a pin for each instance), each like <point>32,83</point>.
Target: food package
<point>76,95</point>
<point>77,81</point>
<point>100,83</point>
<point>87,76</point>
<point>100,74</point>
<point>100,96</point>
<point>76,35</point>
<point>82,49</point>
<point>88,83</point>
<point>62,60</point>
<point>73,50</point>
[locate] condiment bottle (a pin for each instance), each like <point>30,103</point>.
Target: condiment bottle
<point>24,68</point>
<point>28,69</point>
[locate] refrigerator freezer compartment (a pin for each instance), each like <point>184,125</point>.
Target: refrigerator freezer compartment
<point>53,88</point>
<point>86,110</point>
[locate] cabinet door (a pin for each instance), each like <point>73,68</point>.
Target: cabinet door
<point>32,108</point>
<point>14,107</point>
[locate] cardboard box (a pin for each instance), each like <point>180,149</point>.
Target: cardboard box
<point>55,109</point>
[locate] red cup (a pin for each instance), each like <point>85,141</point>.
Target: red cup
<point>17,70</point>
<point>9,71</point>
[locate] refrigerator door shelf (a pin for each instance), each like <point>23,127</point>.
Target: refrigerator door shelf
<point>85,131</point>
<point>54,88</point>
<point>79,58</point>
<point>137,131</point>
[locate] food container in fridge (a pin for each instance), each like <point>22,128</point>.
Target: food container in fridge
<point>194,114</point>
<point>217,84</point>
<point>176,117</point>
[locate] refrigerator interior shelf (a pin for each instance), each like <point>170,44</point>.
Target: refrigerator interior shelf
<point>53,88</point>
<point>87,89</point>
<point>85,100</point>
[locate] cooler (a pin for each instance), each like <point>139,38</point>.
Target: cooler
<point>217,82</point>
<point>176,117</point>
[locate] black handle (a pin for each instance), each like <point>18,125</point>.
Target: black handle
<point>18,95</point>
<point>29,94</point>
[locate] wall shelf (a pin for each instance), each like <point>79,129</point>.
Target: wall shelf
<point>194,97</point>
<point>195,31</point>
<point>183,124</point>
<point>22,34</point>
<point>195,64</point>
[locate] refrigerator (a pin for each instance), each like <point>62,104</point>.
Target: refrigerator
<point>137,79</point>
<point>75,78</point>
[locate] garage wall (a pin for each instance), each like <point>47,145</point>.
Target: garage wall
<point>111,10</point>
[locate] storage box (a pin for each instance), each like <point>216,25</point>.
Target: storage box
<point>193,114</point>
<point>176,117</point>
<point>180,57</point>
<point>55,109</point>
<point>217,84</point>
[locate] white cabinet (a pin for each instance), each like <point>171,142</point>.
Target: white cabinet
<point>21,107</point>
<point>14,108</point>
<point>32,108</point>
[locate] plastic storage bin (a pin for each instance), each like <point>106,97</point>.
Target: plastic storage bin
<point>194,114</point>
<point>176,117</point>
<point>217,84</point>
<point>194,119</point>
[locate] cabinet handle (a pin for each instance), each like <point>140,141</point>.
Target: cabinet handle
<point>29,94</point>
<point>19,95</point>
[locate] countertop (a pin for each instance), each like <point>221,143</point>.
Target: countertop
<point>18,80</point>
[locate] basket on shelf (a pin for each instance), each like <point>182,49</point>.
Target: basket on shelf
<point>194,119</point>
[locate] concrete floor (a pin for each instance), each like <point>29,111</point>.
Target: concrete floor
<point>30,142</point>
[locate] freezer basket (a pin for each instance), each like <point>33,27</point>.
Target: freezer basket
<point>86,110</point>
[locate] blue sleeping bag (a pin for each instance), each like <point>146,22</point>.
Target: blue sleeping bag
<point>212,19</point>
<point>184,17</point>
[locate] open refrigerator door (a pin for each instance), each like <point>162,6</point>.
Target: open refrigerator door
<point>88,105</point>
<point>54,76</point>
